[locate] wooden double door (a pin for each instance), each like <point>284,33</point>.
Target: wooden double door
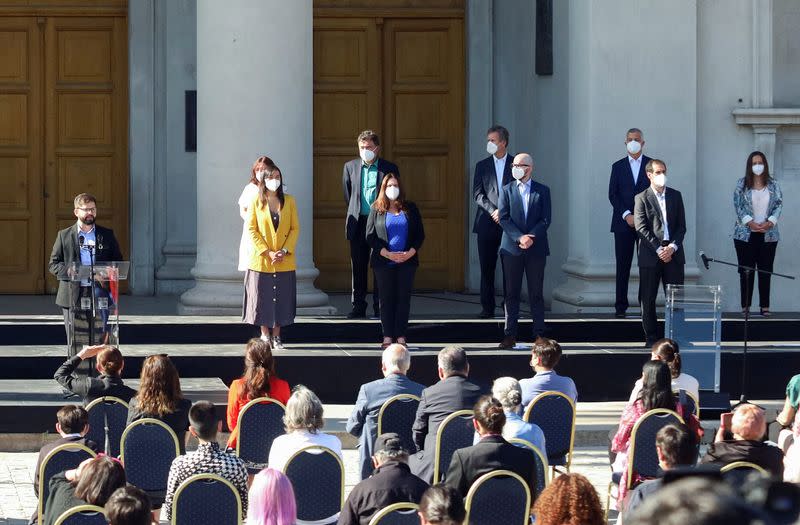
<point>63,131</point>
<point>402,76</point>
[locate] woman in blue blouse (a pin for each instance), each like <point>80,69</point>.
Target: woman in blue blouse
<point>758,202</point>
<point>395,234</point>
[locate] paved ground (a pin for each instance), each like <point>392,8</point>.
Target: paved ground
<point>17,501</point>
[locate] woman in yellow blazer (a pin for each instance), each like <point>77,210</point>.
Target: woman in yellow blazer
<point>270,284</point>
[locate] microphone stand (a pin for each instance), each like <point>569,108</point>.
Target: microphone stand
<point>748,270</point>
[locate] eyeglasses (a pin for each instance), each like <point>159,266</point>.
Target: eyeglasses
<point>88,210</point>
<point>520,165</point>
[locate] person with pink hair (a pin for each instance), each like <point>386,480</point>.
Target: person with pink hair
<point>271,499</point>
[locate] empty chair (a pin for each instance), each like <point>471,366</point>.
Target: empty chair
<point>206,499</point>
<point>317,475</point>
<point>554,413</point>
<point>83,515</point>
<point>455,432</point>
<point>107,419</point>
<point>498,497</point>
<point>397,415</point>
<point>260,422</point>
<point>397,514</point>
<point>542,475</point>
<point>63,457</point>
<point>148,447</point>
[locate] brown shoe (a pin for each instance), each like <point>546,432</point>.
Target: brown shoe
<point>507,343</point>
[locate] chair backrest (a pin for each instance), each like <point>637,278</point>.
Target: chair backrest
<point>107,419</point>
<point>397,414</point>
<point>692,403</point>
<point>496,497</point>
<point>642,455</point>
<point>148,447</point>
<point>744,465</point>
<point>542,475</point>
<point>61,458</point>
<point>206,498</point>
<point>317,476</point>
<point>455,432</point>
<point>260,422</point>
<point>554,413</point>
<point>397,514</point>
<point>83,515</point>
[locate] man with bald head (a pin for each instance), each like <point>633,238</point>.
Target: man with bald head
<point>748,426</point>
<point>524,210</point>
<point>363,422</point>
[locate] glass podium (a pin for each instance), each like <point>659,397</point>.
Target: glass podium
<point>694,319</point>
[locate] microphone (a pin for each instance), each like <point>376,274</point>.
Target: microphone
<point>81,240</point>
<point>704,258</point>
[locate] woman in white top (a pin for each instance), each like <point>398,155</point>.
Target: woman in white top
<point>248,195</point>
<point>303,421</point>
<point>758,202</point>
<point>667,350</point>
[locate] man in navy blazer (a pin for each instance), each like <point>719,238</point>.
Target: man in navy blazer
<point>524,216</point>
<point>628,179</point>
<point>363,422</point>
<point>491,174</point>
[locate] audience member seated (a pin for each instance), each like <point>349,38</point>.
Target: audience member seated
<point>748,427</point>
<point>441,505</point>
<point>391,482</point>
<point>92,483</point>
<point>303,422</point>
<point>453,392</point>
<point>667,351</point>
<point>676,448</point>
<point>656,392</point>
<point>507,391</point>
<point>108,383</point>
<point>363,422</point>
<point>271,499</point>
<point>72,424</point>
<point>787,415</point>
<point>259,380</point>
<point>160,397</point>
<point>791,461</point>
<point>569,500</point>
<point>491,453</point>
<point>545,355</point>
<point>128,506</point>
<point>207,459</point>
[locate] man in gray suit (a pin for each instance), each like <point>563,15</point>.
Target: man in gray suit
<point>361,181</point>
<point>363,422</point>
<point>660,222</point>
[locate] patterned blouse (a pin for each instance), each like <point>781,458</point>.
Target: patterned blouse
<point>207,459</point>
<point>743,206</point>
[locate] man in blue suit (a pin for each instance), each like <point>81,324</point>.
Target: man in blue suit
<point>363,422</point>
<point>524,216</point>
<point>628,179</point>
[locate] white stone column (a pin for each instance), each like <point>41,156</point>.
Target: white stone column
<point>641,77</point>
<point>254,97</point>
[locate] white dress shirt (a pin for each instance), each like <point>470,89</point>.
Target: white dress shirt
<point>635,164</point>
<point>285,446</point>
<point>662,203</point>
<point>524,192</point>
<point>499,168</point>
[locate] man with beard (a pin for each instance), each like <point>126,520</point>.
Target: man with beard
<point>72,246</point>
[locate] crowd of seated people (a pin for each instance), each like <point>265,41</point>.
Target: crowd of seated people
<point>396,475</point>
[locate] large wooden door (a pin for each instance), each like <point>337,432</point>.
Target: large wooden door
<point>63,128</point>
<point>402,76</point>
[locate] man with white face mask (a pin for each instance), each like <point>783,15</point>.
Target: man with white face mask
<point>525,210</point>
<point>491,174</point>
<point>660,222</point>
<point>361,179</point>
<point>627,180</point>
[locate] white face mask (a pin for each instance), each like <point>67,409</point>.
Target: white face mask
<point>367,155</point>
<point>273,184</point>
<point>758,169</point>
<point>260,175</point>
<point>491,148</point>
<point>392,192</point>
<point>660,180</point>
<point>518,172</point>
<point>633,147</point>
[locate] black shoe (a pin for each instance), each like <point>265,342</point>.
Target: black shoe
<point>357,314</point>
<point>507,343</point>
<point>376,313</point>
<point>485,315</point>
<point>619,315</point>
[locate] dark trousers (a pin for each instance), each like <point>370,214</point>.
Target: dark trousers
<point>395,282</point>
<point>359,264</point>
<point>533,268</point>
<point>624,246</point>
<point>489,238</point>
<point>758,254</point>
<point>649,279</point>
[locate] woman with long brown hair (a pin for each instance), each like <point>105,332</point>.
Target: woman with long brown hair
<point>270,284</point>
<point>259,380</point>
<point>92,483</point>
<point>249,193</point>
<point>395,234</point>
<point>160,397</point>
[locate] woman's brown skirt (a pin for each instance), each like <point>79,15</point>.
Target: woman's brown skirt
<point>270,299</point>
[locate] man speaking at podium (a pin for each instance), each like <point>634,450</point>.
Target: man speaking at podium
<point>73,245</point>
